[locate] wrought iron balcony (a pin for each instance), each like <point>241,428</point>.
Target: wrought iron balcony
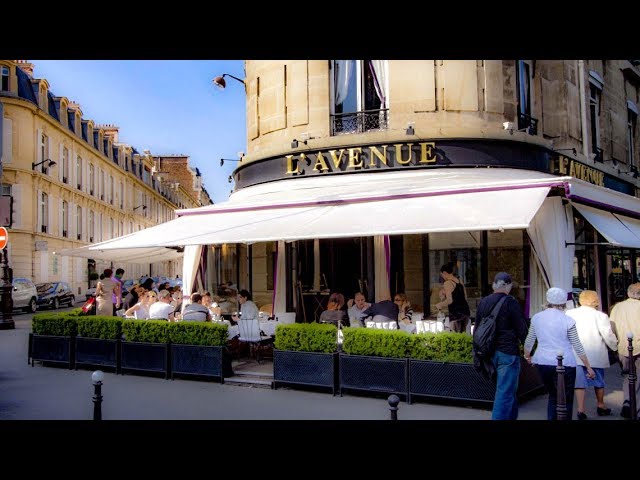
<point>598,155</point>
<point>358,122</point>
<point>527,121</point>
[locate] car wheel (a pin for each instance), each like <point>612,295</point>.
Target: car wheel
<point>56,304</point>
<point>32,307</point>
<point>72,301</point>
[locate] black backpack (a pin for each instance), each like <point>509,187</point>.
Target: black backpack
<point>484,342</point>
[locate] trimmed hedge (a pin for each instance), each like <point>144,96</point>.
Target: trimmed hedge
<point>150,331</point>
<point>375,342</point>
<point>61,324</point>
<point>106,328</point>
<point>199,333</point>
<point>441,347</point>
<point>307,337</point>
<point>76,312</point>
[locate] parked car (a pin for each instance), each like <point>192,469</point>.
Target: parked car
<point>24,294</point>
<point>54,294</point>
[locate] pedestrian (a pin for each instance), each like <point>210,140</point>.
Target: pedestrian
<point>117,295</point>
<point>455,299</point>
<point>556,333</point>
<point>511,331</point>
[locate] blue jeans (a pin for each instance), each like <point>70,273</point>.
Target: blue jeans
<point>505,404</point>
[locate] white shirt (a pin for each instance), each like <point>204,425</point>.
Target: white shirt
<point>160,311</point>
<point>594,330</point>
<point>249,310</point>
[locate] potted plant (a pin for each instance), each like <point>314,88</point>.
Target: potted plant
<point>52,338</point>
<point>305,354</point>
<point>200,348</point>
<point>145,346</point>
<point>98,341</point>
<point>374,360</point>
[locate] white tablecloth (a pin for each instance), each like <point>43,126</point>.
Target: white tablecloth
<point>268,327</point>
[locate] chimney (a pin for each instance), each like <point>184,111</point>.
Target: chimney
<point>110,131</point>
<point>26,66</point>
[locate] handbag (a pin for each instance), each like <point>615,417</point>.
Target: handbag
<point>88,305</point>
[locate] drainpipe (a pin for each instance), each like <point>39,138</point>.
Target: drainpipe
<point>583,109</point>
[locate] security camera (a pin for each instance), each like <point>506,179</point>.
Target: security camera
<point>507,125</point>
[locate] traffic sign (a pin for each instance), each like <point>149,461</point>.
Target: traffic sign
<point>4,237</point>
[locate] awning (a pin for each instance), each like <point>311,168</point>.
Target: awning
<point>362,204</point>
<point>602,198</point>
<point>126,255</point>
<point>617,229</point>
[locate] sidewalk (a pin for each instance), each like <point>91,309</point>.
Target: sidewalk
<point>45,393</point>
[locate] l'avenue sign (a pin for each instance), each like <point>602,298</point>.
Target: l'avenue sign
<point>362,158</point>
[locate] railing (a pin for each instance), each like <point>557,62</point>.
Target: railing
<point>598,155</point>
<point>527,121</point>
<point>358,122</point>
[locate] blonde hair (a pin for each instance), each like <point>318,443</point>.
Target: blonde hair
<point>589,298</point>
<point>634,291</point>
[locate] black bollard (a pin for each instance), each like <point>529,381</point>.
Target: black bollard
<point>561,404</point>
<point>632,379</point>
<point>393,400</point>
<point>96,378</point>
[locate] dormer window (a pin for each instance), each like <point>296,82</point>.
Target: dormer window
<point>4,78</point>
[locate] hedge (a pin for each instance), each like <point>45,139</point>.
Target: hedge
<point>106,328</point>
<point>151,331</point>
<point>199,333</point>
<point>62,324</point>
<point>307,337</point>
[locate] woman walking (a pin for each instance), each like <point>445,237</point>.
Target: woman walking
<point>104,294</point>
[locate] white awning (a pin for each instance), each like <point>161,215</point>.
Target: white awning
<point>362,204</point>
<point>617,229</point>
<point>602,198</point>
<point>126,255</point>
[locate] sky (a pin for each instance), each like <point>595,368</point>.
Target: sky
<point>165,106</point>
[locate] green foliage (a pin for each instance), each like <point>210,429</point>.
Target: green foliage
<point>375,342</point>
<point>76,312</point>
<point>441,347</point>
<point>307,337</point>
<point>150,331</point>
<point>62,324</point>
<point>199,333</point>
<point>107,328</point>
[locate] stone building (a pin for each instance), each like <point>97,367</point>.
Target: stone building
<point>69,182</point>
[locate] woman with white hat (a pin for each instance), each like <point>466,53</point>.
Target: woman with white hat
<point>557,335</point>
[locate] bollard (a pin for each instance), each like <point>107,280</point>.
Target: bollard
<point>96,379</point>
<point>393,400</point>
<point>561,404</point>
<point>632,379</point>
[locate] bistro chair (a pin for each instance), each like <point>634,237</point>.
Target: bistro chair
<point>251,335</point>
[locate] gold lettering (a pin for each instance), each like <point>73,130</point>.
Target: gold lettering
<point>354,158</point>
<point>290,164</point>
<point>381,156</point>
<point>426,152</point>
<point>320,162</point>
<point>584,173</point>
<point>336,160</point>
<point>562,165</point>
<point>399,154</point>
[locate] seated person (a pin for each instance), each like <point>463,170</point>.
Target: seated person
<point>162,309</point>
<point>383,311</point>
<point>405,311</point>
<point>196,311</point>
<point>332,314</point>
<point>140,311</point>
<point>213,307</point>
<point>248,309</point>
<point>357,306</point>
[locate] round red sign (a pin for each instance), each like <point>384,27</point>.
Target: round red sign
<point>4,237</point>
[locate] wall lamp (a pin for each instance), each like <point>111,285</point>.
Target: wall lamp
<point>144,207</point>
<point>230,179</point>
<point>222,160</point>
<point>294,143</point>
<point>221,83</point>
<point>511,127</point>
<point>633,170</point>
<point>51,163</point>
<point>567,149</point>
<point>410,129</point>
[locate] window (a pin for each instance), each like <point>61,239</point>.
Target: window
<point>100,228</point>
<point>121,195</point>
<point>44,212</point>
<point>102,189</point>
<point>595,93</point>
<point>359,95</point>
<point>79,172</point>
<point>65,165</point>
<point>111,188</point>
<point>632,119</point>
<point>92,179</point>
<point>65,219</point>
<point>79,222</point>
<point>91,225</point>
<point>6,189</point>
<point>4,81</point>
<point>523,84</point>
<point>111,233</point>
<point>44,152</point>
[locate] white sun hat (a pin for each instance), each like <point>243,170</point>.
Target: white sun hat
<point>556,296</point>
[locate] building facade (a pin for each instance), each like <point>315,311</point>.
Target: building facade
<point>459,133</point>
<point>69,182</point>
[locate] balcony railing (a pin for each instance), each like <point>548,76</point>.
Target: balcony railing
<point>527,121</point>
<point>598,155</point>
<point>358,122</point>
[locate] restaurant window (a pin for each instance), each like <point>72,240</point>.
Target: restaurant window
<point>632,119</point>
<point>359,95</point>
<point>584,261</point>
<point>596,85</point>
<point>4,84</point>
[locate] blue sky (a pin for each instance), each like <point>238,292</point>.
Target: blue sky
<point>166,106</point>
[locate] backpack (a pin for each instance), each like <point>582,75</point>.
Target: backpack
<point>484,342</point>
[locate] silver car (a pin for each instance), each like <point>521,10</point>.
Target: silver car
<point>24,295</point>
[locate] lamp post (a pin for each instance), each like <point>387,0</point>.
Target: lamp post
<point>221,83</point>
<point>51,163</point>
<point>6,322</point>
<point>96,379</point>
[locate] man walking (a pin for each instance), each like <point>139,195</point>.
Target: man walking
<point>626,317</point>
<point>511,331</point>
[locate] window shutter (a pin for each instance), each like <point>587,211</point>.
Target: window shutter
<point>7,144</point>
<point>38,211</point>
<point>85,230</point>
<point>271,101</point>
<point>253,125</point>
<point>409,95</point>
<point>72,168</point>
<point>460,85</point>
<point>60,161</point>
<point>49,215</point>
<point>38,149</point>
<point>298,93</point>
<point>72,220</point>
<point>48,152</point>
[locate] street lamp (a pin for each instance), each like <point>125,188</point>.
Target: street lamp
<point>221,83</point>
<point>222,160</point>
<point>144,207</point>
<point>51,163</point>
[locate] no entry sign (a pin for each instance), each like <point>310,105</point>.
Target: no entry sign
<point>4,237</point>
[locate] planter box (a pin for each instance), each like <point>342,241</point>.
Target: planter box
<point>146,357</point>
<point>460,381</point>
<point>305,368</point>
<point>201,360</point>
<point>374,374</point>
<point>51,348</point>
<point>98,351</point>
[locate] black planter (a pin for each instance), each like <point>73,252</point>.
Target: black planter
<point>145,357</point>
<point>201,360</point>
<point>97,351</point>
<point>52,349</point>
<point>374,374</point>
<point>305,368</point>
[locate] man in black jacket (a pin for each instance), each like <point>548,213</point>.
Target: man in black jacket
<point>511,331</point>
